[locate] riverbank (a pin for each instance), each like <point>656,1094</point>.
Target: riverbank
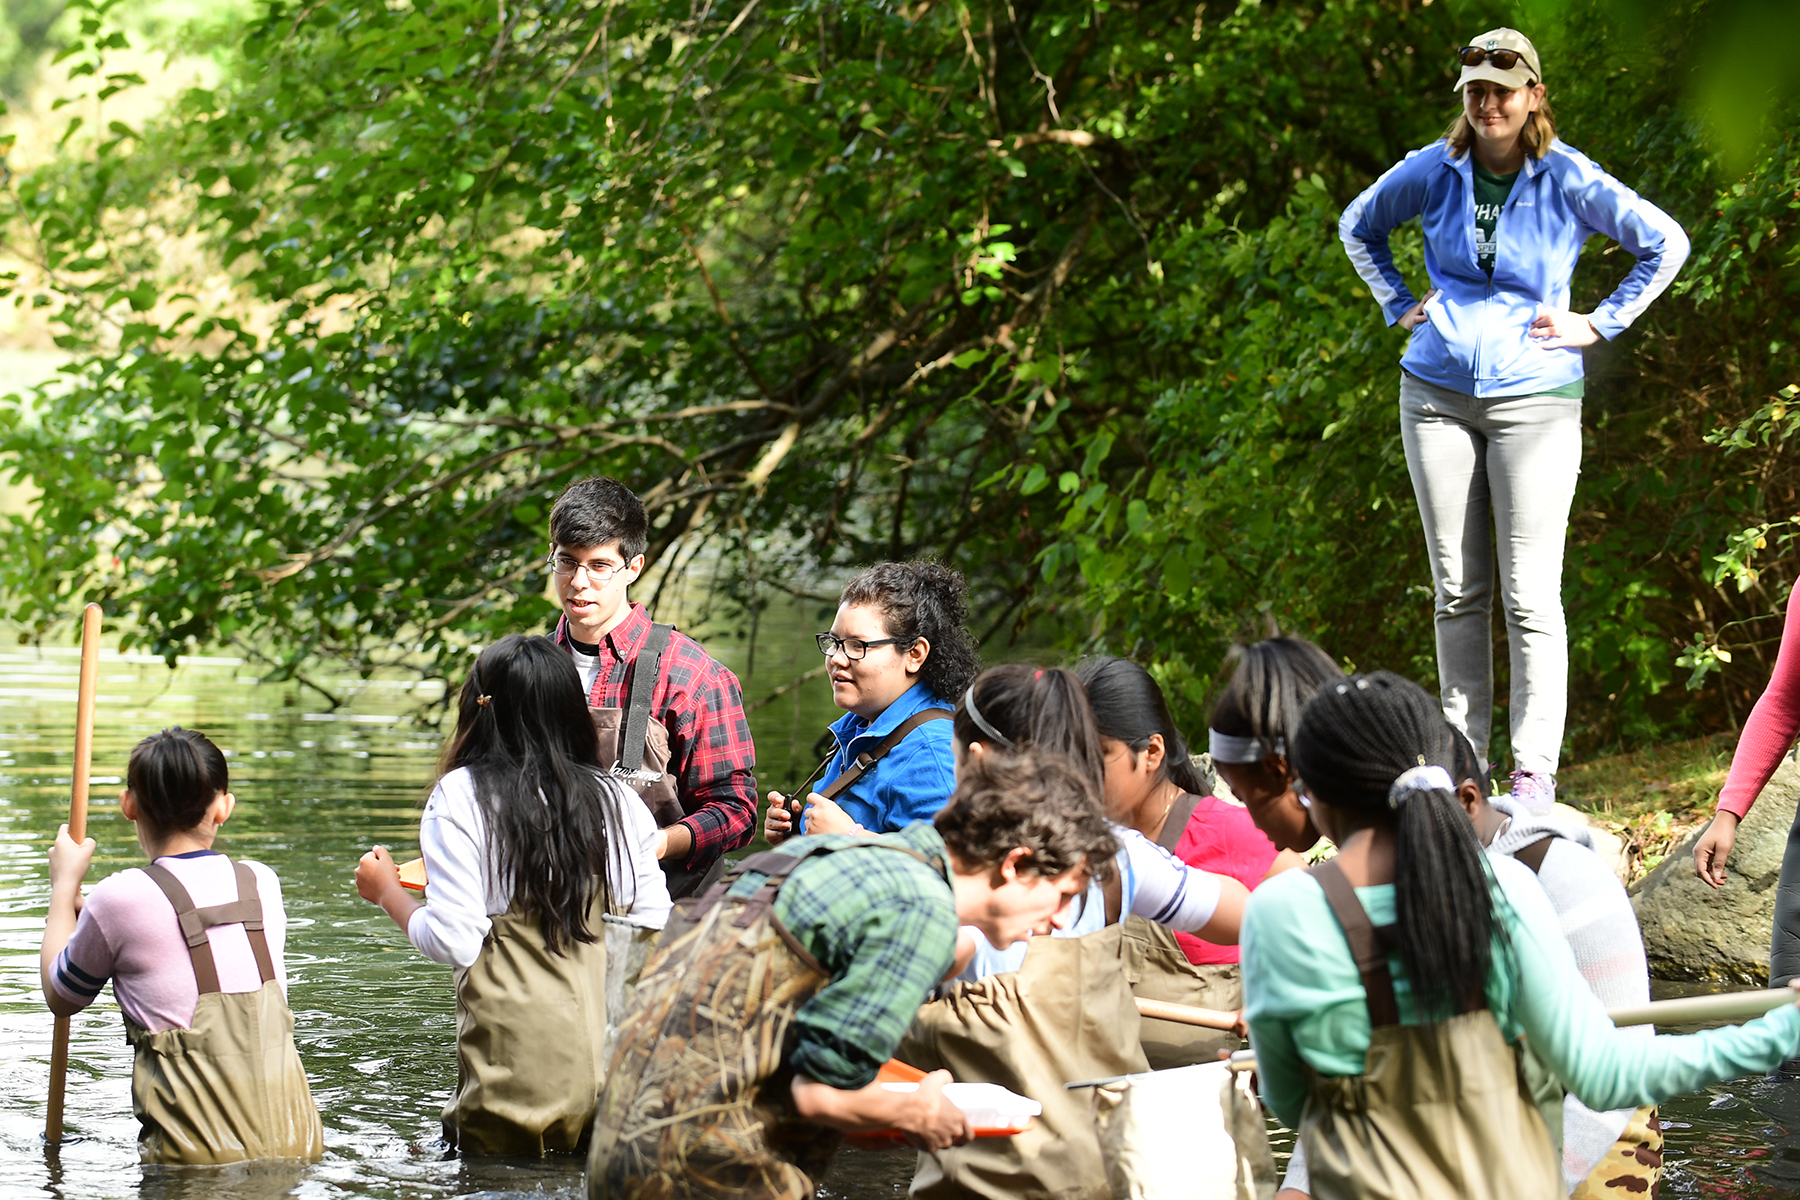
<point>1652,797</point>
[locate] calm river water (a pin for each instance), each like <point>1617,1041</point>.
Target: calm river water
<point>375,1020</point>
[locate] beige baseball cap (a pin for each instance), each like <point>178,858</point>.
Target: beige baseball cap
<point>1525,70</point>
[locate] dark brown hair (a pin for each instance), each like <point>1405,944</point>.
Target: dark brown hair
<point>923,600</point>
<point>592,512</point>
<point>1042,709</point>
<point>173,775</point>
<point>1036,800</point>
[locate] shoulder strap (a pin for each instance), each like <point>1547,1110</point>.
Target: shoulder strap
<point>1365,944</point>
<point>869,758</point>
<point>1175,823</point>
<point>1533,855</point>
<point>246,910</point>
<point>645,669</point>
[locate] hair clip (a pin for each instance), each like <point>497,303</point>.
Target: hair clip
<point>481,697</point>
<point>484,701</point>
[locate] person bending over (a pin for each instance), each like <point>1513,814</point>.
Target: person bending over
<point>1387,990</point>
<point>768,1007</point>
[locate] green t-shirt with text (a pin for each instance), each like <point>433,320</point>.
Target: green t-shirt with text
<point>1491,191</point>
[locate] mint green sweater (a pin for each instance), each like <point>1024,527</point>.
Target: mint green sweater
<point>1304,1002</point>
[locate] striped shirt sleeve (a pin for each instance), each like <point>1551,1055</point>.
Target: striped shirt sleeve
<point>86,963</point>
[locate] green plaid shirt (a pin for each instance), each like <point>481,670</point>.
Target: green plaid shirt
<point>883,925</point>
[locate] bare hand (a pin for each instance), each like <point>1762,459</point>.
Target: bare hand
<point>1555,327</point>
<point>1412,316</point>
<point>1241,1027</point>
<point>824,816</point>
<point>778,822</point>
<point>69,862</point>
<point>932,1122</point>
<point>1714,847</point>
<point>377,874</point>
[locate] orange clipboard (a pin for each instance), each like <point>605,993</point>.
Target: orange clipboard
<point>895,1071</point>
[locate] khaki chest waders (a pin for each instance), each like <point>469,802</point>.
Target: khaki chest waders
<point>1159,970</point>
<point>230,1087</point>
<point>531,1036</point>
<point>1066,1014</point>
<point>697,1101</point>
<point>1440,1110</point>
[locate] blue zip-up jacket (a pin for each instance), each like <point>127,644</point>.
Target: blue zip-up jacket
<point>1475,338</point>
<point>912,782</point>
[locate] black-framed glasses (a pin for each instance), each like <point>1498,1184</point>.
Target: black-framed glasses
<point>1504,60</point>
<point>600,573</point>
<point>855,648</point>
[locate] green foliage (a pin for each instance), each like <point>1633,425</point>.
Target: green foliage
<point>1052,290</point>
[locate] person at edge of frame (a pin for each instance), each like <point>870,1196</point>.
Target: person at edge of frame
<point>1493,375</point>
<point>1768,736</point>
<point>598,534</point>
<point>899,653</point>
<point>768,1008</point>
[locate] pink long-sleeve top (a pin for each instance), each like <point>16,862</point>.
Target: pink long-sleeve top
<point>1773,725</point>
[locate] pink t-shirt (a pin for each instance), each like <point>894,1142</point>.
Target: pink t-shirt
<point>1220,837</point>
<point>128,933</point>
<point>1769,733</point>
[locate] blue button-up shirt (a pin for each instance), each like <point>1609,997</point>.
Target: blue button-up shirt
<point>915,778</point>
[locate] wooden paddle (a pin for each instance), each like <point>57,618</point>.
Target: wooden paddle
<point>78,798</point>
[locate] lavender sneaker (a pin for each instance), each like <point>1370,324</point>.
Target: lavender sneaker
<point>1533,789</point>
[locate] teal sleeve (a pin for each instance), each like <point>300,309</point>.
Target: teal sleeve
<point>1303,997</point>
<point>1604,1066</point>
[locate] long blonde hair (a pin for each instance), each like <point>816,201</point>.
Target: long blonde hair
<point>1539,132</point>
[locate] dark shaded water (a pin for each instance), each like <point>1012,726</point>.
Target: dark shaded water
<point>375,1020</point>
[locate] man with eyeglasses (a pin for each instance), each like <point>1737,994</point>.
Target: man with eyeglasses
<point>705,797</point>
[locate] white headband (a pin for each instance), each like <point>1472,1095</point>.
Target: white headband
<point>981,722</point>
<point>1230,749</point>
<point>1427,778</point>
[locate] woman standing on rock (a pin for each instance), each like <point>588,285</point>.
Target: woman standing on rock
<point>1768,736</point>
<point>1492,378</point>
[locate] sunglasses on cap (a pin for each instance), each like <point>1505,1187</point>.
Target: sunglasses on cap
<point>1504,60</point>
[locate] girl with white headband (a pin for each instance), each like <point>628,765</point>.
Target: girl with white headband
<point>1388,990</point>
<point>1271,681</point>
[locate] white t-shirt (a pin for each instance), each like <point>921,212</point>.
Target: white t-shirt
<point>586,665</point>
<point>465,888</point>
<point>1154,884</point>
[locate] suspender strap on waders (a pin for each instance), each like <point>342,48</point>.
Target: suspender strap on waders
<point>1533,855</point>
<point>1366,943</point>
<point>1175,821</point>
<point>246,910</point>
<point>645,669</point>
<point>868,758</point>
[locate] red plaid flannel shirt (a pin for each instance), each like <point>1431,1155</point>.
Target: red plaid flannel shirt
<point>710,752</point>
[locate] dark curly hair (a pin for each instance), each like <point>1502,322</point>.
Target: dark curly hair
<point>1035,799</point>
<point>923,600</point>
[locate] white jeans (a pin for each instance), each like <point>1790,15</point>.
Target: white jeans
<point>1513,463</point>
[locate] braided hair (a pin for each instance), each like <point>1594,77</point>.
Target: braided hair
<point>1271,681</point>
<point>1355,739</point>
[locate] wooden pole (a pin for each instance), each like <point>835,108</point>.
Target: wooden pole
<point>78,798</point>
<point>1186,1014</point>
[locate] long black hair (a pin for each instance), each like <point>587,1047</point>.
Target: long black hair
<point>1129,707</point>
<point>1355,739</point>
<point>1271,681</point>
<point>927,600</point>
<point>523,730</point>
<point>1045,708</point>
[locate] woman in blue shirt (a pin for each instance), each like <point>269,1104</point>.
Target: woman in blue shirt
<point>1492,377</point>
<point>898,650</point>
<point>1396,1062</point>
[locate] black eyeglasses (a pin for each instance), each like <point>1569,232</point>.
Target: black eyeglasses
<point>855,648</point>
<point>1474,56</point>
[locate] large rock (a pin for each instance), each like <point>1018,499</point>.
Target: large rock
<point>1692,931</point>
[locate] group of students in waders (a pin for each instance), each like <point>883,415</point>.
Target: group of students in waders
<point>994,866</point>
